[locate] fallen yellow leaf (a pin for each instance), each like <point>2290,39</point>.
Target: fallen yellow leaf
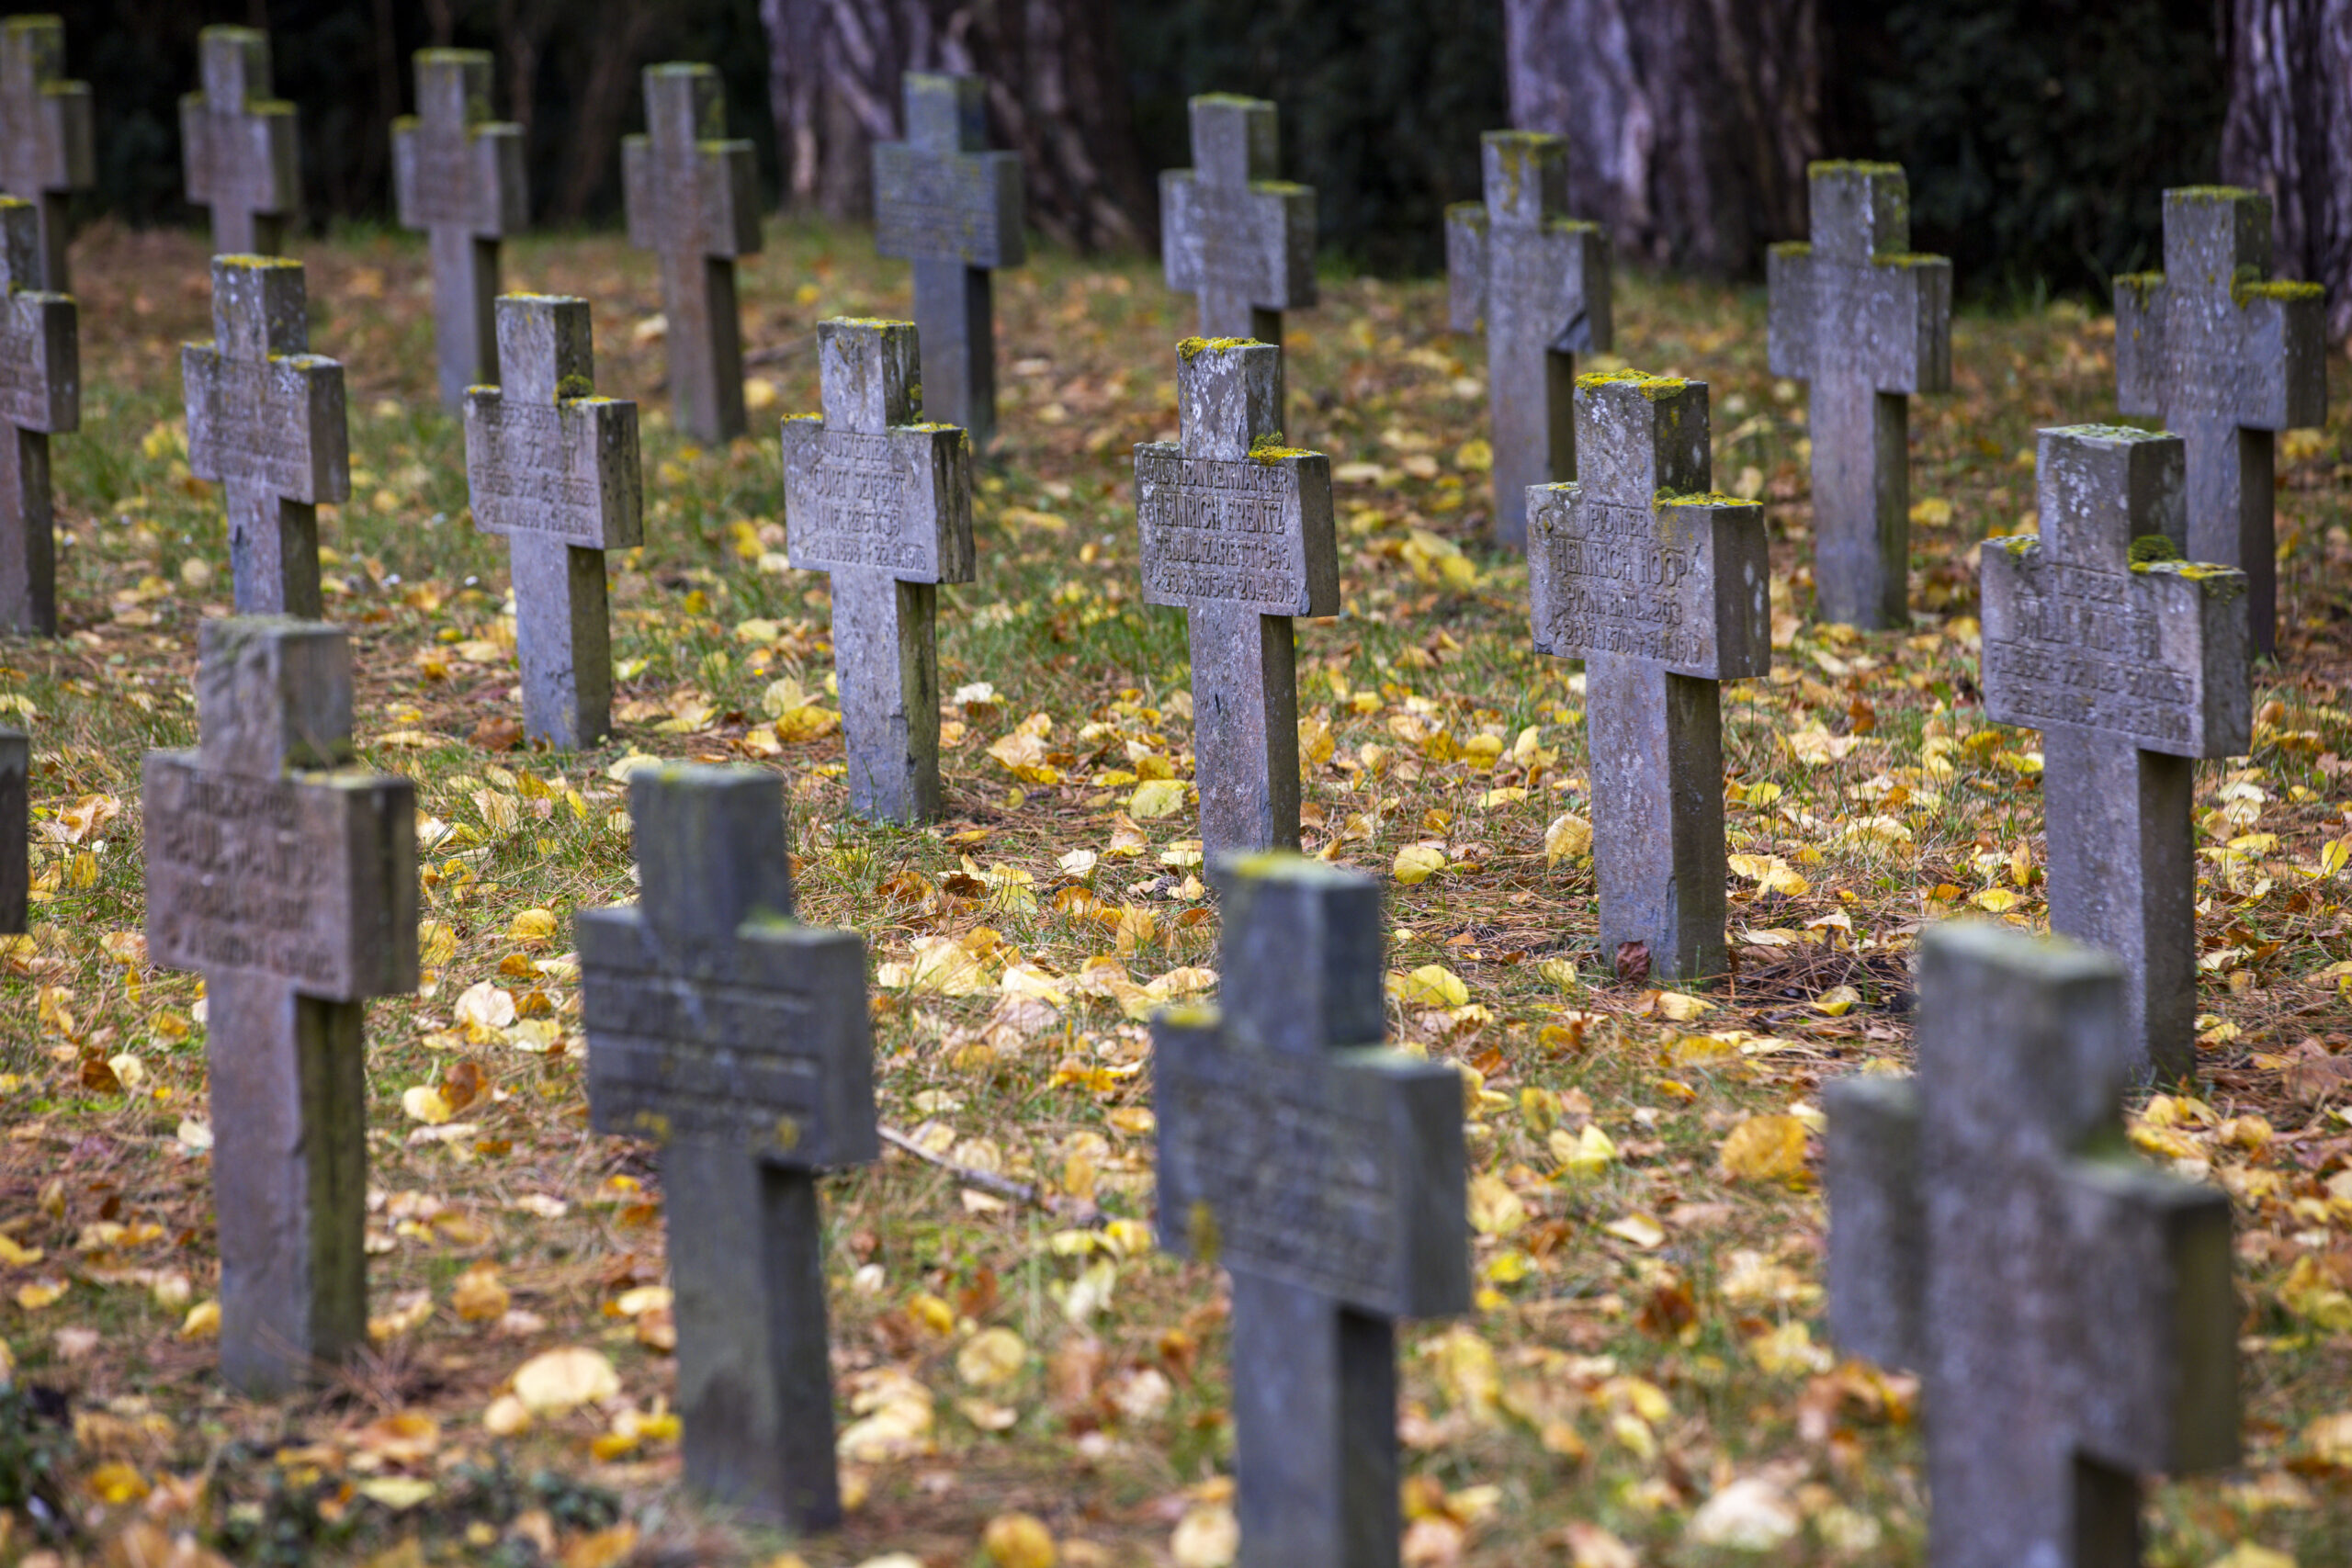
<point>562,1380</point>
<point>990,1358</point>
<point>1432,984</point>
<point>1019,1540</point>
<point>1765,1149</point>
<point>1156,799</point>
<point>1568,834</point>
<point>1837,1001</point>
<point>1417,864</point>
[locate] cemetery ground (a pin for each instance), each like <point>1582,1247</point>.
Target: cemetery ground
<point>1645,1378</point>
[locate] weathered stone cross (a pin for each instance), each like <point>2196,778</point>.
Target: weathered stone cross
<point>16,826</point>
<point>883,501</point>
<point>2068,1304</point>
<point>2133,664</point>
<point>1327,1174</point>
<point>1233,233</point>
<point>2225,359</point>
<point>238,146</point>
<point>46,146</point>
<point>554,467</point>
<point>735,1038</point>
<point>265,420</point>
<point>41,395</point>
<point>693,199</point>
<point>288,878</point>
<point>1661,587</point>
<point>1237,532</point>
<point>1539,281</point>
<point>1868,323</point>
<point>944,202</point>
<point>459,174</point>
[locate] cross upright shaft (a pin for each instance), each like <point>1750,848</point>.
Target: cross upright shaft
<point>239,146</point>
<point>460,175</point>
<point>46,144</point>
<point>41,395</point>
<point>16,825</point>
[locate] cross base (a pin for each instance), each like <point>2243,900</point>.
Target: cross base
<point>273,553</point>
<point>754,1384</point>
<point>1245,729</point>
<point>290,1097</point>
<point>28,545</point>
<point>2123,879</point>
<point>886,660</point>
<point>1862,503</point>
<point>706,345</point>
<point>563,640</point>
<point>1315,1429</point>
<point>465,318</point>
<point>954,316</point>
<point>2232,516</point>
<point>1657,814</point>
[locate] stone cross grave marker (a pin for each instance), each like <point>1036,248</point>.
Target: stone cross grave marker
<point>2133,664</point>
<point>736,1039</point>
<point>1237,532</point>
<point>41,395</point>
<point>1232,233</point>
<point>288,878</point>
<point>947,204</point>
<point>2067,1304</point>
<point>693,199</point>
<point>1867,323</point>
<point>459,176</point>
<point>1540,282</point>
<point>266,420</point>
<point>46,144</point>
<point>16,828</point>
<point>238,145</point>
<point>2226,358</point>
<point>1327,1174</point>
<point>883,501</point>
<point>554,468</point>
<point>1661,587</point>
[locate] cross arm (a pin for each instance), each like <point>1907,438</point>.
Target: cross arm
<point>1908,319</point>
<point>68,145</point>
<point>2157,1314</point>
<point>898,499</point>
<point>2282,330</point>
<point>2140,343</point>
<point>304,453</point>
<point>44,390</point>
<point>719,199</point>
<point>569,469</point>
<point>961,205</point>
<point>1466,234</point>
<point>1264,233</point>
<point>1791,320</point>
<point>1254,530</point>
<point>1878,1260</point>
<point>1699,564</point>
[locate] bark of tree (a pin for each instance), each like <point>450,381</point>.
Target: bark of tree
<point>1690,122</point>
<point>2288,133</point>
<point>1056,95</point>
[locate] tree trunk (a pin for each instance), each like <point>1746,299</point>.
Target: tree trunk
<point>2288,133</point>
<point>1056,95</point>
<point>1690,122</point>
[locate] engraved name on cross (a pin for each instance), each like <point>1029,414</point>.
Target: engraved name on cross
<point>2067,1303</point>
<point>1540,282</point>
<point>693,199</point>
<point>1868,324</point>
<point>953,207</point>
<point>554,467</point>
<point>882,499</point>
<point>238,145</point>
<point>459,176</point>
<point>266,420</point>
<point>2226,358</point>
<point>1326,1172</point>
<point>41,395</point>
<point>2133,664</point>
<point>735,1038</point>
<point>1237,532</point>
<point>46,145</point>
<point>1662,589</point>
<point>288,878</point>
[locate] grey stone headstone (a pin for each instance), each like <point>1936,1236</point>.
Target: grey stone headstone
<point>1232,233</point>
<point>459,176</point>
<point>944,202</point>
<point>2131,670</point>
<point>16,828</point>
<point>288,878</point>
<point>2226,358</point>
<point>266,420</point>
<point>1662,589</point>
<point>1327,1174</point>
<point>46,144</point>
<point>41,395</point>
<point>2068,1305</point>
<point>1868,323</point>
<point>881,498</point>
<point>239,147</point>
<point>554,467</point>
<point>693,199</point>
<point>734,1037</point>
<point>1237,532</point>
<point>1538,281</point>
